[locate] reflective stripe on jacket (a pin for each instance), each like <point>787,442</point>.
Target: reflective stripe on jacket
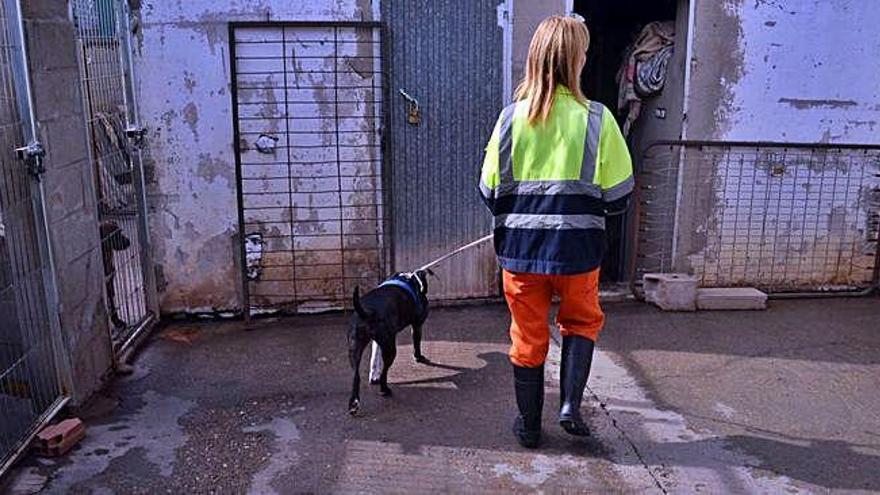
<point>551,185</point>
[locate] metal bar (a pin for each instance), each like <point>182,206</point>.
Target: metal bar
<point>150,289</point>
<point>306,24</point>
<point>236,143</point>
<point>283,206</point>
<point>21,75</point>
<point>338,157</point>
<point>766,144</point>
<point>136,334</point>
<point>22,446</point>
<point>289,158</point>
<point>387,164</point>
<point>763,191</point>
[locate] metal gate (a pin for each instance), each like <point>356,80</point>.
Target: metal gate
<point>30,382</point>
<point>784,217</point>
<point>308,111</point>
<point>449,57</point>
<point>103,45</point>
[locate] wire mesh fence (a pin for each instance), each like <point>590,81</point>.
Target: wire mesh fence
<point>781,217</point>
<point>116,165</point>
<point>29,379</point>
<point>308,101</point>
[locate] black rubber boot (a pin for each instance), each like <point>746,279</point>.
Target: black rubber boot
<point>577,357</point>
<point>529,386</point>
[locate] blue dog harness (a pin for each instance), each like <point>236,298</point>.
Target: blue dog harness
<point>396,281</point>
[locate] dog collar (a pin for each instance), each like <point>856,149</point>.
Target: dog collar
<point>409,290</point>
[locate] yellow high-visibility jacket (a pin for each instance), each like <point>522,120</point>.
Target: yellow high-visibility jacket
<point>551,185</point>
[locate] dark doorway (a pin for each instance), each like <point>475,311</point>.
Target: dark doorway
<point>614,24</point>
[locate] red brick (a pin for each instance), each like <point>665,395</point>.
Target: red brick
<point>55,440</point>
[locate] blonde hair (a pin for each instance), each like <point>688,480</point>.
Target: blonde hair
<point>554,52</point>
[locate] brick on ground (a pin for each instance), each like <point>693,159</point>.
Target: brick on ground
<point>731,298</point>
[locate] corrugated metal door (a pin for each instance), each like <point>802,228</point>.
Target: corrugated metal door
<point>447,55</point>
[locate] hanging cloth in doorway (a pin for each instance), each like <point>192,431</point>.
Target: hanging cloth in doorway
<point>643,72</point>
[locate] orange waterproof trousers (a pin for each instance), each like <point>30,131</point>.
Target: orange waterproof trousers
<point>529,296</point>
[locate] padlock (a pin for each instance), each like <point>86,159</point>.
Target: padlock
<point>414,115</point>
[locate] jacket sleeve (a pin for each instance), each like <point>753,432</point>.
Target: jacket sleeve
<point>489,173</point>
<point>615,167</point>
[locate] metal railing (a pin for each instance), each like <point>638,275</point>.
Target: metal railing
<point>783,217</point>
<point>114,134</point>
<point>308,103</point>
<point>31,385</point>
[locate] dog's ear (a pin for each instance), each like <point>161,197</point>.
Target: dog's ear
<point>423,278</point>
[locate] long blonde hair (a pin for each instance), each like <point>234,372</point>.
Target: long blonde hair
<point>554,53</point>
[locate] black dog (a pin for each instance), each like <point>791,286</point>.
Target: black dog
<point>397,303</point>
<point>112,239</point>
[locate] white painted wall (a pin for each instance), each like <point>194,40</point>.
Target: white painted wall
<point>807,70</point>
<point>782,71</point>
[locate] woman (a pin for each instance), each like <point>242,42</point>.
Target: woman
<point>555,167</point>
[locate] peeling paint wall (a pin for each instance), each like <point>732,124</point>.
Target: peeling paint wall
<point>794,70</point>
<point>183,79</point>
<point>782,71</point>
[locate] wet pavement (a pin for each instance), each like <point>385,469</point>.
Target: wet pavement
<point>779,401</point>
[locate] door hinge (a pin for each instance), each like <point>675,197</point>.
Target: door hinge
<point>32,155</point>
<point>136,135</point>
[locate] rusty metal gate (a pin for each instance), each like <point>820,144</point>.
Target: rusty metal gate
<point>30,378</point>
<point>103,44</point>
<point>448,56</point>
<point>308,116</point>
<point>784,217</point>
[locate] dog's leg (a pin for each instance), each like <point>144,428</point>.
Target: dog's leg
<point>417,345</point>
<point>111,301</point>
<point>376,364</point>
<point>355,352</point>
<point>389,352</point>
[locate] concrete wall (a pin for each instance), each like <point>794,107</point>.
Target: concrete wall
<point>794,71</point>
<point>183,82</point>
<point>797,70</point>
<point>71,209</point>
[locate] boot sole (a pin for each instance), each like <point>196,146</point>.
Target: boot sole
<point>573,428</point>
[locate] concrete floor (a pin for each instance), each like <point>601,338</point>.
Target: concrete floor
<point>779,401</point>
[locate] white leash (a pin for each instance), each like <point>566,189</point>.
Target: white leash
<point>456,251</point>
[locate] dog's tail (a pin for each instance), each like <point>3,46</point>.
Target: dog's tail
<point>356,299</point>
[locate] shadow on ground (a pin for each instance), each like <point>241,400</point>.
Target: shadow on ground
<point>732,402</point>
<point>215,407</point>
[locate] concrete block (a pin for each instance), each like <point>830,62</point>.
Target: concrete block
<point>732,298</point>
<point>44,10</point>
<point>75,235</point>
<point>68,192</point>
<point>671,291</point>
<point>57,93</point>
<point>52,45</point>
<point>65,138</point>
